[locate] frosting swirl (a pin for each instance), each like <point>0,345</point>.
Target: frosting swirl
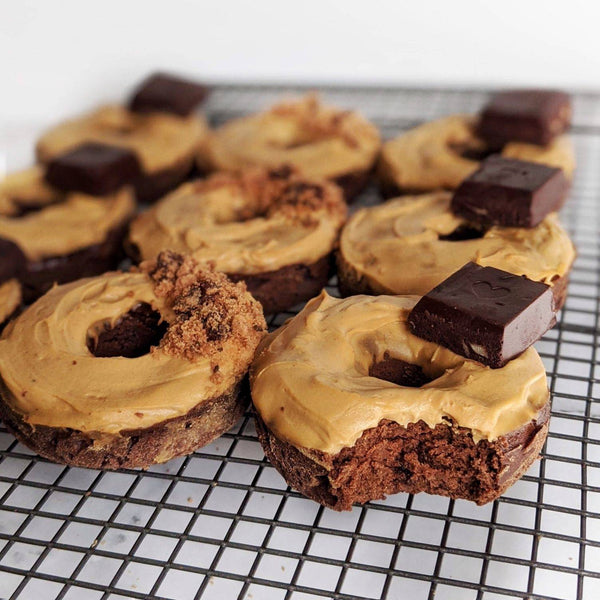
<point>428,157</point>
<point>311,386</point>
<point>10,298</point>
<point>248,222</point>
<point>60,223</point>
<point>396,246</point>
<point>320,141</point>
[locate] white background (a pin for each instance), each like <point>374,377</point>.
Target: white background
<point>63,56</point>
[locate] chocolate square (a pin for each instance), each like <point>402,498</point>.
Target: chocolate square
<point>165,93</point>
<point>485,314</point>
<point>510,192</point>
<point>532,116</point>
<point>96,169</point>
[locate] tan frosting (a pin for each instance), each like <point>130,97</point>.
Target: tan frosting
<point>68,223</point>
<point>54,380</point>
<point>428,156</point>
<point>249,222</point>
<point>321,141</point>
<point>396,247</point>
<point>10,298</point>
<point>159,140</point>
<point>310,381</point>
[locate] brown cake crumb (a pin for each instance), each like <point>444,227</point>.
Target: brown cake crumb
<point>209,308</point>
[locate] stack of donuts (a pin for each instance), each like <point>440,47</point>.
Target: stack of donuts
<point>141,253</point>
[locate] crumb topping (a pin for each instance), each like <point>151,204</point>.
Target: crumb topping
<point>210,310</point>
<point>281,191</point>
<point>320,121</point>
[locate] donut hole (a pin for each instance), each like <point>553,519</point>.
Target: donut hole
<point>473,151</point>
<point>398,371</point>
<point>131,336</point>
<point>463,232</point>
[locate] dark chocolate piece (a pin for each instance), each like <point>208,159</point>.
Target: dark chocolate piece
<point>532,116</point>
<point>485,314</point>
<point>92,168</point>
<point>165,93</point>
<point>12,260</point>
<point>509,192</point>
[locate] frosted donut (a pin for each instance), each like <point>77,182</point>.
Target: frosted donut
<point>351,406</point>
<point>129,369</point>
<point>409,245</point>
<point>165,144</point>
<point>320,141</point>
<point>435,155</point>
<point>275,230</point>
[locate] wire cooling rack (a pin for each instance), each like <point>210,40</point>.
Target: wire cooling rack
<point>221,524</point>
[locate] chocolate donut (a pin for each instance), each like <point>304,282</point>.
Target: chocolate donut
<point>165,144</point>
<point>440,154</point>
<point>63,236</point>
<point>320,141</point>
<point>130,369</point>
<point>275,230</point>
<point>350,406</point>
<point>409,245</point>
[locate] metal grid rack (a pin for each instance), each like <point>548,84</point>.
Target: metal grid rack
<point>222,524</point>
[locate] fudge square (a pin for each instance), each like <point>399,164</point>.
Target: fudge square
<point>485,314</point>
<point>531,116</point>
<point>510,192</point>
<point>93,168</point>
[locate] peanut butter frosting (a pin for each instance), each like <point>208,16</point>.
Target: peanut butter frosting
<point>214,327</point>
<point>10,298</point>
<point>160,140</point>
<point>396,246</point>
<point>320,141</point>
<point>60,223</point>
<point>429,156</point>
<point>249,222</point>
<point>311,386</point>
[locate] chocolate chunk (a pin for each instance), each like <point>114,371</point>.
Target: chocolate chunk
<point>92,168</point>
<point>12,260</point>
<point>485,314</point>
<point>532,116</point>
<point>166,93</point>
<point>510,192</point>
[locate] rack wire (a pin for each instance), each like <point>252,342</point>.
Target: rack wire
<point>222,523</point>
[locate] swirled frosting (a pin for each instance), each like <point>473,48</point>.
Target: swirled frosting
<point>428,157</point>
<point>159,140</point>
<point>396,246</point>
<point>61,223</point>
<point>54,379</point>
<point>320,141</point>
<point>311,386</point>
<point>250,222</point>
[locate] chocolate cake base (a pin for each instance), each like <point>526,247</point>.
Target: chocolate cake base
<point>353,183</point>
<point>151,187</point>
<point>390,458</point>
<point>39,276</point>
<point>134,447</point>
<point>351,283</point>
<point>285,287</point>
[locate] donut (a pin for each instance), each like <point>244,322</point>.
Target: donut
<point>165,144</point>
<point>63,236</point>
<point>350,407</point>
<point>130,369</point>
<point>440,154</point>
<point>409,245</point>
<point>321,141</point>
<point>275,230</point>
